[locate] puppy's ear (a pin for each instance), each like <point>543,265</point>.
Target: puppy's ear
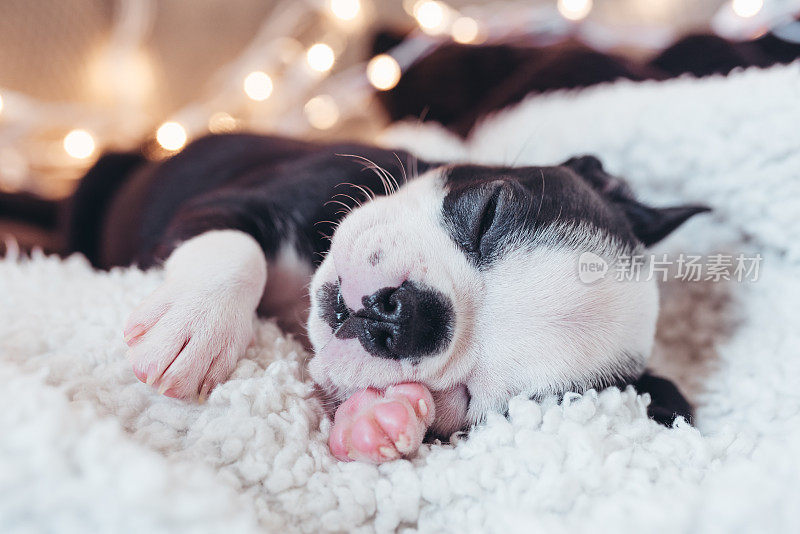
<point>650,225</point>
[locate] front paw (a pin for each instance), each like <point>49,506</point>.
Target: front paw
<point>186,340</point>
<point>379,426</point>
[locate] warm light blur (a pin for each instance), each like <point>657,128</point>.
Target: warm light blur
<point>345,9</point>
<point>383,72</point>
<point>320,57</point>
<point>1,103</point>
<point>171,136</point>
<point>747,8</point>
<point>430,15</point>
<point>129,79</point>
<point>79,144</point>
<point>322,112</point>
<point>574,9</point>
<point>288,49</point>
<point>258,85</point>
<point>14,169</point>
<point>464,30</point>
<point>222,122</point>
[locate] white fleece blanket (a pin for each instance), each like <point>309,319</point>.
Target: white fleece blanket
<point>85,447</point>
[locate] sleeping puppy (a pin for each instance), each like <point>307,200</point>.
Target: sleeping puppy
<point>435,296</point>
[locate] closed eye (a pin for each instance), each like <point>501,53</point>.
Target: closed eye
<point>486,218</point>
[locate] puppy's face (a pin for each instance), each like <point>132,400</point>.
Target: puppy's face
<point>468,277</point>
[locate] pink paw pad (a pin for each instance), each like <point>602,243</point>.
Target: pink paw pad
<point>379,426</point>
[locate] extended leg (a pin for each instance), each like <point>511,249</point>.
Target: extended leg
<point>186,337</point>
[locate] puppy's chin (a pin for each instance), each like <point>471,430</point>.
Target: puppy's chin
<point>342,366</point>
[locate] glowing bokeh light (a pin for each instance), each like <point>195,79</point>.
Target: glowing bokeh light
<point>464,30</point>
<point>320,57</point>
<point>79,144</point>
<point>322,112</point>
<point>383,72</point>
<point>258,86</point>
<point>222,122</point>
<point>747,8</point>
<point>430,16</point>
<point>345,9</point>
<point>171,136</point>
<point>574,9</point>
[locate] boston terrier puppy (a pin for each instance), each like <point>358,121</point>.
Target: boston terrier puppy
<point>437,291</point>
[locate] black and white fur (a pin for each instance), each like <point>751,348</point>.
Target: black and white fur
<point>459,277</point>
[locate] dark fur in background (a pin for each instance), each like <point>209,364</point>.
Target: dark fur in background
<point>456,84</point>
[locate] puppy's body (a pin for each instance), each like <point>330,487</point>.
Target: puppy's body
<point>462,280</point>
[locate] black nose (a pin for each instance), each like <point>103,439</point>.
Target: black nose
<point>405,322</point>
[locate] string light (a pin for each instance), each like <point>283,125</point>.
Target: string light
<point>345,9</point>
<point>383,72</point>
<point>747,8</point>
<point>464,30</point>
<point>574,9</point>
<point>115,78</point>
<point>430,15</point>
<point>320,57</point>
<point>171,136</point>
<point>222,122</point>
<point>79,144</point>
<point>258,85</point>
<point>126,78</point>
<point>321,112</point>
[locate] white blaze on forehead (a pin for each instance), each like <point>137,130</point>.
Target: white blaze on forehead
<point>393,239</point>
<point>385,242</point>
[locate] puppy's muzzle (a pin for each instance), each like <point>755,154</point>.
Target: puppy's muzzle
<point>402,322</point>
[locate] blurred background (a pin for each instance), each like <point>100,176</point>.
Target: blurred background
<point>82,77</point>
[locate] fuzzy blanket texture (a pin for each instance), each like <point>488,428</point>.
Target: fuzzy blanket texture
<point>85,447</point>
